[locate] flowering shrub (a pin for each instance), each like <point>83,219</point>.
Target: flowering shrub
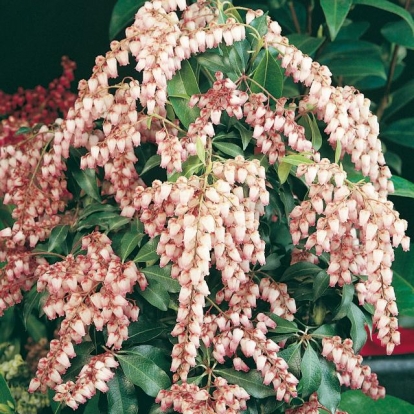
<point>192,229</point>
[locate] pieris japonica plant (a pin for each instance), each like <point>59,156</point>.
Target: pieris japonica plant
<point>191,228</point>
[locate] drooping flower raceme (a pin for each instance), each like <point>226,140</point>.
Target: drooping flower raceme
<point>222,222</point>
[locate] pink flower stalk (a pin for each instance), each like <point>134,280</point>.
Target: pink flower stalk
<point>359,229</point>
<point>351,372</point>
<point>73,294</point>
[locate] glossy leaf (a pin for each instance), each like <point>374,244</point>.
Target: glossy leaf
<point>163,276</point>
<point>245,134</point>
<point>399,33</point>
<point>320,284</point>
<point>87,180</point>
<point>122,397</point>
<point>144,373</point>
<point>283,171</point>
<point>130,241</point>
<point>159,356</point>
<point>329,391</point>
<point>335,13</point>
<point>180,88</point>
<point>307,44</point>
<point>156,294</point>
<point>292,355</point>
<point>402,187</point>
<point>358,333</point>
<point>213,62</point>
<point>352,30</point>
<point>403,281</point>
<point>143,331</point>
<point>5,394</point>
<point>272,262</point>
<point>356,402</point>
<point>400,132</point>
<point>300,269</point>
<point>57,237</point>
<point>296,159</point>
<point>363,66</point>
<point>123,14</point>
<point>311,372</point>
<point>148,252</point>
<point>399,99</point>
<point>251,381</point>
<point>269,76</point>
<point>389,7</point>
<point>346,300</point>
<point>229,149</point>
<point>393,161</point>
<point>92,406</point>
<point>152,162</point>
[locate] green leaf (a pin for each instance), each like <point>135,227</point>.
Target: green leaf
<point>57,236</point>
<point>180,88</point>
<point>152,162</point>
<point>143,331</point>
<point>355,402</point>
<point>229,149</point>
<point>269,76</point>
<point>92,406</point>
<point>343,308</point>
<point>245,134</point>
<point>399,33</point>
<point>272,262</point>
<point>87,180</point>
<point>144,372</point>
<point>399,99</point>
<point>403,281</point>
<point>394,161</point>
<point>23,130</point>
<point>163,276</point>
<point>296,159</point>
<point>389,7</point>
<point>307,44</point>
<point>293,357</point>
<point>251,381</point>
<point>335,13</point>
<point>401,132</point>
<point>312,131</point>
<point>213,62</point>
<point>122,397</point>
<point>320,284</point>
<point>201,150</point>
<point>148,252</point>
<point>35,328</point>
<point>358,333</point>
<point>159,356</point>
<point>5,394</point>
<point>283,171</point>
<point>190,167</point>
<point>129,242</point>
<point>402,187</point>
<point>311,372</point>
<point>156,294</point>
<point>123,14</point>
<point>363,66</point>
<point>329,392</point>
<point>300,269</point>
<point>352,30</point>
<point>325,330</point>
<point>31,301</point>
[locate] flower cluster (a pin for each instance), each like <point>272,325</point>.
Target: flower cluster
<point>359,230</point>
<point>349,367</point>
<point>210,223</point>
<point>186,398</point>
<point>73,294</point>
<point>350,123</point>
